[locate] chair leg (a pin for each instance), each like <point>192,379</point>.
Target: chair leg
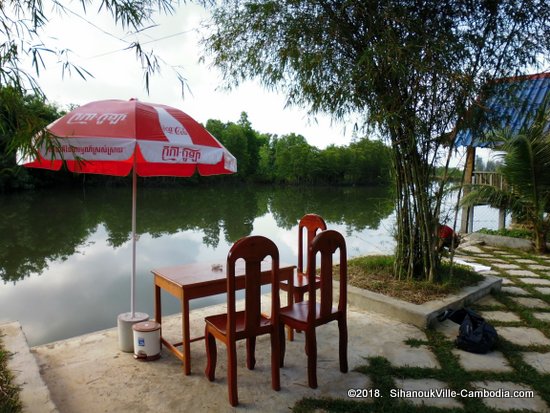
<point>290,333</point>
<point>343,330</point>
<point>275,358</point>
<point>232,373</point>
<point>211,355</point>
<point>298,296</point>
<point>251,353</point>
<point>311,346</point>
<point>282,344</point>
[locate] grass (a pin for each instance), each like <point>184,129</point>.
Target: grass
<point>375,273</point>
<point>506,232</point>
<point>9,392</point>
<point>382,374</point>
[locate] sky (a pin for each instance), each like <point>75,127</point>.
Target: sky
<point>118,75</point>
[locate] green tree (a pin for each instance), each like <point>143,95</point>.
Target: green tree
<point>370,163</point>
<point>293,158</point>
<point>21,116</point>
<point>411,68</point>
<point>266,165</point>
<point>242,141</point>
<point>525,167</point>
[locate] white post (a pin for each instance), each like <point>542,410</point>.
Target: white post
<point>133,278</point>
<point>125,321</point>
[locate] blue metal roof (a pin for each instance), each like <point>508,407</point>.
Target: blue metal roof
<point>512,103</point>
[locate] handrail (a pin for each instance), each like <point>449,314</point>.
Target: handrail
<point>489,178</point>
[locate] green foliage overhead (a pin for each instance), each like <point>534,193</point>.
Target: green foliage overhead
<point>21,29</point>
<point>410,69</point>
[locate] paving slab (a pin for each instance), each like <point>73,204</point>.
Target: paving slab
<point>543,290</point>
<point>493,361</point>
<point>489,301</point>
<point>471,248</point>
<point>523,336</point>
<point>507,281</point>
<point>539,361</point>
<point>448,329</point>
<point>535,403</point>
<point>400,356</point>
<point>506,316</point>
<point>391,345</point>
<point>526,261</point>
<point>514,290</point>
<point>534,281</point>
<point>494,260</point>
<point>505,266</point>
<point>491,272</point>
<point>542,316</point>
<point>521,273</point>
<point>530,302</point>
<point>538,267</point>
<point>424,387</point>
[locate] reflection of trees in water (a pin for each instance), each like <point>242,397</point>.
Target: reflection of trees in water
<point>37,227</point>
<point>52,225</point>
<point>208,209</point>
<point>357,208</point>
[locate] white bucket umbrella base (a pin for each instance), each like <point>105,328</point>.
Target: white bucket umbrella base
<point>125,321</point>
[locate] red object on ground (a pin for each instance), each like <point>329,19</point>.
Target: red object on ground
<point>445,232</point>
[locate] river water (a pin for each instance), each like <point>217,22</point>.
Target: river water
<point>65,255</point>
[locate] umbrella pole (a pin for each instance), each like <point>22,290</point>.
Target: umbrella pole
<point>133,278</point>
<point>126,321</point>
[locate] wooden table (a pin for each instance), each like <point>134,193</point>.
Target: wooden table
<point>199,280</point>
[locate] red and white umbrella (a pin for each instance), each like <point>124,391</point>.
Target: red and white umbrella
<point>115,137</point>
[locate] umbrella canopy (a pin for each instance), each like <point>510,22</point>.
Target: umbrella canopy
<point>115,137</point>
<point>110,136</point>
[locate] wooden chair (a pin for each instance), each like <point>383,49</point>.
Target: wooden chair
<point>311,223</point>
<point>307,315</point>
<point>250,323</point>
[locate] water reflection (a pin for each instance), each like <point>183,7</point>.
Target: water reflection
<point>65,255</point>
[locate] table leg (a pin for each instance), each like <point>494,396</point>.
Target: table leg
<point>158,310</point>
<point>186,332</point>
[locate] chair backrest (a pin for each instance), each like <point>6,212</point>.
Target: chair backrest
<point>312,224</point>
<point>327,243</point>
<point>253,250</point>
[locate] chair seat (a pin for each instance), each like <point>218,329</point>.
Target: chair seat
<point>219,322</point>
<point>300,282</point>
<point>298,312</point>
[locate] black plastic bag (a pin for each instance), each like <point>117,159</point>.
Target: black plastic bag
<point>475,335</point>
